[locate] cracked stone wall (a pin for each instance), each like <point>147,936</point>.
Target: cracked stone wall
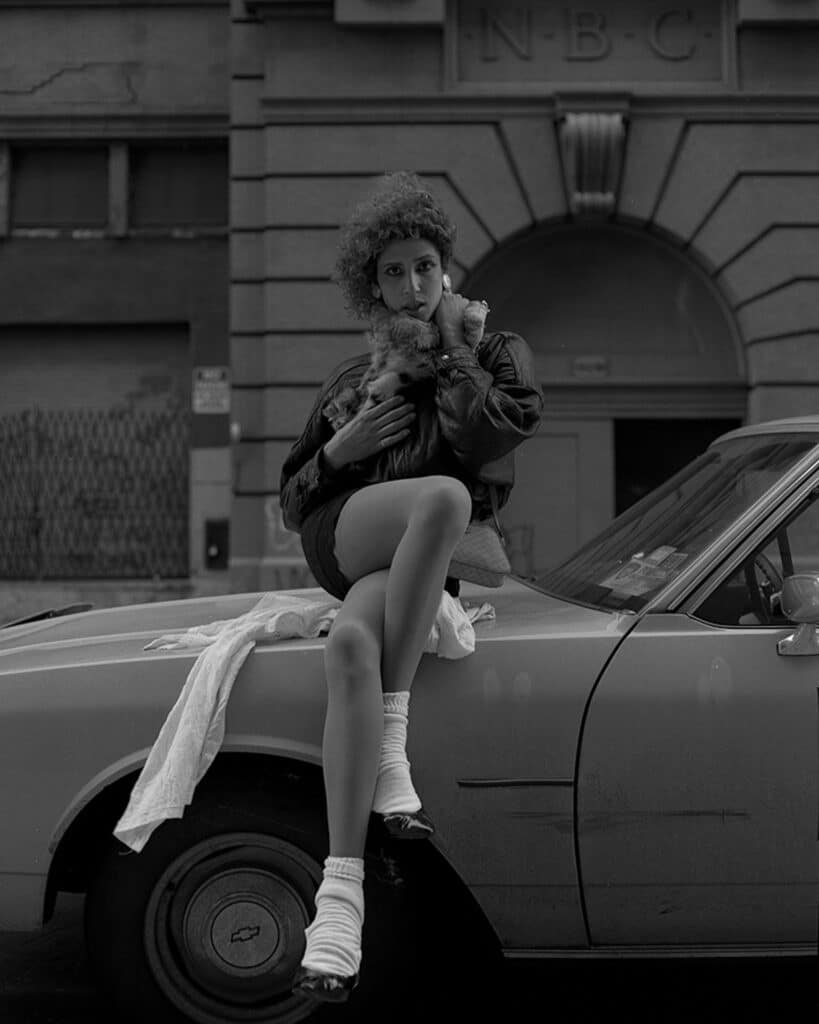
<point>115,74</point>
<point>157,60</point>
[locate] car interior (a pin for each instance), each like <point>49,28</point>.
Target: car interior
<point>750,596</point>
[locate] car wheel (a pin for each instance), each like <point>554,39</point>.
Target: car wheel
<point>206,924</point>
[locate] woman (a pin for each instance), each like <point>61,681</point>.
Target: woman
<point>380,505</point>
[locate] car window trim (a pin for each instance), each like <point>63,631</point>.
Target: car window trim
<point>764,530</point>
<point>678,594</point>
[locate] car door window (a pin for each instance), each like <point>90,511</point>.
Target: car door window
<point>750,597</point>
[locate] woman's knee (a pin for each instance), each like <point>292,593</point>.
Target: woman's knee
<point>352,654</point>
<point>444,505</point>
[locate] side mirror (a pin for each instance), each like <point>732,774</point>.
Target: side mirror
<point>800,597</point>
<point>800,603</point>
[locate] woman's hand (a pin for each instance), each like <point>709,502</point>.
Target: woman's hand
<point>449,317</point>
<point>371,430</point>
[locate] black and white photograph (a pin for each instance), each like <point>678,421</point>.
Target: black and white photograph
<point>409,511</point>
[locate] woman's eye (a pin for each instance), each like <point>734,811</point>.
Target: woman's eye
<point>392,271</point>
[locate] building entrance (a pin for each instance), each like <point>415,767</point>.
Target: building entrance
<point>648,452</point>
<point>641,368</point>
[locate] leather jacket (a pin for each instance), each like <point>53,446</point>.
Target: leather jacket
<point>469,419</point>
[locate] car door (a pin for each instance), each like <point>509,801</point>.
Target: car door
<point>493,743</point>
<point>697,785</point>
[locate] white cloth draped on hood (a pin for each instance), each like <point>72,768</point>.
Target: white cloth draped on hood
<point>193,731</point>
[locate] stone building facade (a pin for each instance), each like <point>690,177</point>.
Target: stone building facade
<point>114,330</point>
<point>635,185</point>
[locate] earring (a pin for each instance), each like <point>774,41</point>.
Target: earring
<point>376,291</point>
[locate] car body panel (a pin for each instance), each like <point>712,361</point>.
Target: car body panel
<point>495,769</point>
<point>697,789</point>
<point>133,620</point>
<point>493,746</point>
<point>61,690</point>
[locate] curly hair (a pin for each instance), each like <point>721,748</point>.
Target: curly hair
<point>401,207</point>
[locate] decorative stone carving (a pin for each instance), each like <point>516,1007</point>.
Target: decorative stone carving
<point>592,145</point>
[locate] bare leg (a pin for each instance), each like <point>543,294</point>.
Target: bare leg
<point>352,729</point>
<point>352,740</point>
<point>412,527</point>
<point>394,541</point>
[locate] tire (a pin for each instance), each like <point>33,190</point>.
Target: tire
<point>207,923</point>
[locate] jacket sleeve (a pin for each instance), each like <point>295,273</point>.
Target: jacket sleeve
<point>486,408</point>
<point>306,481</point>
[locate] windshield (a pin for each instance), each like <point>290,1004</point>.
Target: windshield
<point>647,546</point>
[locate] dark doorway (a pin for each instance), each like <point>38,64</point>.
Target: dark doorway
<point>647,452</point>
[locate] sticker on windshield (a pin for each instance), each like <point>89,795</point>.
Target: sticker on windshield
<point>646,572</point>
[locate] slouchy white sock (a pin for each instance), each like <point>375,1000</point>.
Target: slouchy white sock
<point>394,791</point>
<point>334,937</point>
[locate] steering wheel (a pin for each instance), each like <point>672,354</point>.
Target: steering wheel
<point>762,590</point>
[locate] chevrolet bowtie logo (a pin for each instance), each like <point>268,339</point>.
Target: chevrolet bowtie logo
<point>245,933</point>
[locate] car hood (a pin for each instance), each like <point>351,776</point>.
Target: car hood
<point>136,619</point>
<point>516,610</point>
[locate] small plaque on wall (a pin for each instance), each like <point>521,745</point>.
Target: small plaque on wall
<point>591,367</point>
<point>211,390</point>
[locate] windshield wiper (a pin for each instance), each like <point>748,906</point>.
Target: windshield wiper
<point>49,613</point>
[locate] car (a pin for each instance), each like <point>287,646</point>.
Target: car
<point>626,765</point>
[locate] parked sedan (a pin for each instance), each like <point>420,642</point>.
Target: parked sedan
<point>625,766</point>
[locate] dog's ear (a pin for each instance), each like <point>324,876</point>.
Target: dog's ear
<point>334,414</point>
<point>387,384</point>
<point>342,408</point>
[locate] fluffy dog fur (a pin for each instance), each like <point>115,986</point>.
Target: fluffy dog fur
<point>401,354</point>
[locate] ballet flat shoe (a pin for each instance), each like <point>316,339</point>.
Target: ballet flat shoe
<point>409,825</point>
<point>319,985</point>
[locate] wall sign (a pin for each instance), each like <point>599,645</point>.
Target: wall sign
<point>597,41</point>
<point>210,393</point>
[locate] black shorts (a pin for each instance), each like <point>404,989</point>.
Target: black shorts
<point>318,541</point>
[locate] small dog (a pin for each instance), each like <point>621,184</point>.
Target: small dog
<point>401,355</point>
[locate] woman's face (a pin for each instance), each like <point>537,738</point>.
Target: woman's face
<point>410,277</point>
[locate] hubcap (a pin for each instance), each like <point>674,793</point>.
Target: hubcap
<point>224,929</point>
<point>244,934</point>
<point>237,925</point>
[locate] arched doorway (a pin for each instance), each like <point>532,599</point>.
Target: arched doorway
<point>641,367</point>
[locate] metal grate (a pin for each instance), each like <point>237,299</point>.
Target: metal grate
<point>93,494</point>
